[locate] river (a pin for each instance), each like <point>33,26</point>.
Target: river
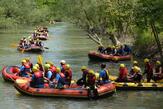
<point>72,44</point>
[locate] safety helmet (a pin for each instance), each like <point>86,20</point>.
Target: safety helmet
<point>49,62</point>
<point>23,61</point>
<point>34,69</point>
<point>91,72</point>
<point>146,60</point>
<point>27,59</point>
<point>47,66</point>
<point>136,69</point>
<point>63,62</point>
<point>37,65</point>
<point>83,68</point>
<point>158,63</point>
<point>67,66</point>
<point>58,70</point>
<point>122,65</point>
<point>135,62</point>
<point>113,46</point>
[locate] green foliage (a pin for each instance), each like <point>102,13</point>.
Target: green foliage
<point>22,12</point>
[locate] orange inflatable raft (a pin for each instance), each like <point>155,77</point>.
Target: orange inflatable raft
<point>10,73</point>
<point>74,91</point>
<point>96,56</point>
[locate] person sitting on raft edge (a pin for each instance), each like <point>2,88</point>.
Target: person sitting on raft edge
<point>103,75</point>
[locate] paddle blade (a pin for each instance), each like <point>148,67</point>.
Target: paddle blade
<point>22,51</point>
<point>13,45</point>
<point>40,59</point>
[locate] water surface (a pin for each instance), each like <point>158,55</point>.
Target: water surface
<point>71,44</point>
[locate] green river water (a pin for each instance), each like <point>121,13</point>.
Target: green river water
<point>71,44</point>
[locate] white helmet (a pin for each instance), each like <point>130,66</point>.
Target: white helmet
<point>63,62</point>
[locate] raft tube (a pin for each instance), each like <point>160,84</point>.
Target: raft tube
<point>42,37</point>
<point>138,86</point>
<point>31,49</point>
<point>96,56</point>
<point>74,91</point>
<point>144,85</point>
<point>10,73</point>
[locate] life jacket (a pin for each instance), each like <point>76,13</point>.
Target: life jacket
<point>84,76</point>
<point>25,71</point>
<point>123,72</point>
<point>91,79</point>
<point>68,75</point>
<point>148,69</point>
<point>157,69</point>
<point>106,75</point>
<point>38,78</point>
<point>53,69</point>
<point>38,74</point>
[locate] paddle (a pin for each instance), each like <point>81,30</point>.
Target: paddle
<point>40,61</point>
<point>46,47</point>
<point>14,45</point>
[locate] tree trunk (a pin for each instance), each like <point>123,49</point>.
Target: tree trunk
<point>155,33</point>
<point>114,39</point>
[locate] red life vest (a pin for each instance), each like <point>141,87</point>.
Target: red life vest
<point>38,74</point>
<point>53,69</point>
<point>123,72</point>
<point>62,75</point>
<point>27,66</point>
<point>68,74</point>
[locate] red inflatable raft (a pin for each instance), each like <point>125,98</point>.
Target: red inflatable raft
<point>10,73</point>
<point>74,91</point>
<point>96,56</point>
<point>31,49</point>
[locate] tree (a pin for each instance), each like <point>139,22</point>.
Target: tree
<point>149,14</point>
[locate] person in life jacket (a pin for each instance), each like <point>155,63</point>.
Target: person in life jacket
<point>91,79</point>
<point>82,80</point>
<point>63,65</point>
<point>123,73</point>
<point>135,63</point>
<point>127,49</point>
<point>120,51</point>
<point>68,75</point>
<point>37,80</point>
<point>59,79</point>
<point>114,50</point>
<point>148,70</point>
<point>101,49</point>
<point>157,71</point>
<point>24,69</point>
<point>108,50</point>
<point>29,62</point>
<point>48,72</point>
<point>137,76</point>
<point>52,67</point>
<point>103,75</point>
<point>50,63</point>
